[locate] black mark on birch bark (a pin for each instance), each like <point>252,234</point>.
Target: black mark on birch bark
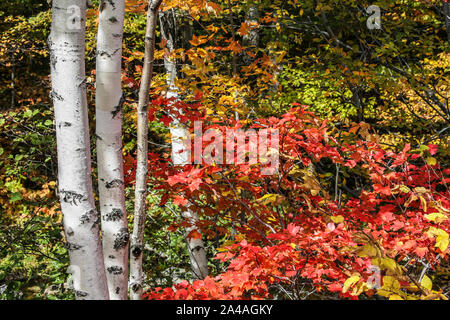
<point>54,95</point>
<point>135,287</point>
<point>64,124</point>
<point>53,59</point>
<point>70,232</point>
<point>72,246</point>
<point>197,248</point>
<point>81,294</point>
<point>111,2</point>
<point>115,215</point>
<point>72,197</point>
<point>122,239</point>
<point>102,5</point>
<point>136,251</point>
<point>119,107</point>
<point>116,270</point>
<point>109,55</point>
<point>113,184</point>
<point>87,217</point>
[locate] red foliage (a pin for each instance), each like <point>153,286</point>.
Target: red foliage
<point>394,209</point>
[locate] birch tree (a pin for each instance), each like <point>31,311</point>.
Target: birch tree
<point>80,217</point>
<point>136,274</point>
<point>252,38</point>
<point>446,12</point>
<point>179,139</point>
<point>109,102</point>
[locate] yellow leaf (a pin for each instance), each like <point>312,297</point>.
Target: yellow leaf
<point>368,251</point>
<point>337,219</point>
<point>436,217</point>
<point>350,282</point>
<point>395,297</point>
<point>424,203</point>
<point>420,190</point>
<point>442,242</point>
<point>426,283</point>
<point>442,238</point>
<point>383,293</point>
<point>360,288</point>
<point>411,199</point>
<point>405,189</point>
<point>388,264</point>
<point>271,198</point>
<point>390,283</point>
<point>431,161</point>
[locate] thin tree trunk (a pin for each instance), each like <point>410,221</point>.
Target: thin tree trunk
<point>234,61</point>
<point>179,137</point>
<point>250,40</point>
<point>233,36</point>
<point>252,17</point>
<point>136,274</point>
<point>13,87</point>
<point>80,217</point>
<point>109,102</point>
<point>446,11</point>
<point>196,247</point>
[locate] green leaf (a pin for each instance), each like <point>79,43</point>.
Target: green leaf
<point>16,196</point>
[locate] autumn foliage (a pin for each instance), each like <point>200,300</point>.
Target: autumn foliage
<point>359,205</point>
<point>292,229</point>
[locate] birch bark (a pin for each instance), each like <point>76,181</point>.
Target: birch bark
<point>136,274</point>
<point>180,137</point>
<point>252,18</point>
<point>109,102</point>
<point>80,217</point>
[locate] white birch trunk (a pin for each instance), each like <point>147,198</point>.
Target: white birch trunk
<point>80,217</point>
<point>109,102</point>
<point>136,272</point>
<point>180,138</point>
<point>252,18</point>
<point>196,248</point>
